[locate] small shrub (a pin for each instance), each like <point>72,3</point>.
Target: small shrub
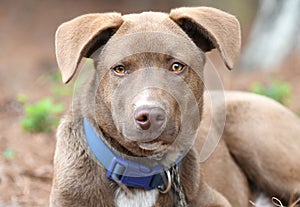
<point>55,77</point>
<point>58,89</point>
<point>9,154</point>
<point>22,98</point>
<point>277,90</point>
<point>41,116</point>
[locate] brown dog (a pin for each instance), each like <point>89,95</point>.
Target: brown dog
<point>145,103</point>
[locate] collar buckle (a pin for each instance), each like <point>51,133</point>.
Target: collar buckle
<point>134,174</point>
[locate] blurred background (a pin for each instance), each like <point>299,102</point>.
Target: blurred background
<point>32,97</point>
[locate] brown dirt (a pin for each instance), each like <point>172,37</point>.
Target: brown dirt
<point>27,58</point>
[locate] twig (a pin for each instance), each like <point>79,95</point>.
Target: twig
<point>252,203</point>
<point>277,202</point>
<point>295,203</point>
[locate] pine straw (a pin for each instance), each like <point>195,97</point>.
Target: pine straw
<point>276,202</point>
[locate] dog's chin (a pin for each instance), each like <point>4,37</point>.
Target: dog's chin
<point>154,149</point>
<point>150,146</point>
<point>151,149</point>
<point>160,152</point>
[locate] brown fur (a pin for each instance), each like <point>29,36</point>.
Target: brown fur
<point>260,139</point>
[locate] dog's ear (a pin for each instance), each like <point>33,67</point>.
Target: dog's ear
<point>211,28</point>
<point>80,37</point>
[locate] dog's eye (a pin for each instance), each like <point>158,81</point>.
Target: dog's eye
<point>120,70</point>
<point>177,67</point>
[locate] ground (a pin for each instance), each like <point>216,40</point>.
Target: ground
<point>27,60</point>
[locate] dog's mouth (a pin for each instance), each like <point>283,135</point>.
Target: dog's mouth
<point>147,142</point>
<point>147,148</point>
<point>152,145</point>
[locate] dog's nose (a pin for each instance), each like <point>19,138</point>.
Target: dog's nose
<point>147,117</point>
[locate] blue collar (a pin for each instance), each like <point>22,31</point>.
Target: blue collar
<point>125,171</point>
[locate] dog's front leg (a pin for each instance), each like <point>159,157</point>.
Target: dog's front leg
<point>209,197</point>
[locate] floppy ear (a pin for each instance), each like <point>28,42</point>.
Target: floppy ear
<point>211,28</point>
<point>80,37</point>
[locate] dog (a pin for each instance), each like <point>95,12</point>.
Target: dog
<point>143,130</point>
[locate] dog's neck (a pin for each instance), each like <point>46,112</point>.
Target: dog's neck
<point>126,171</point>
<point>189,175</point>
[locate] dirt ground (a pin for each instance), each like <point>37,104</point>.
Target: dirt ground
<point>27,58</point>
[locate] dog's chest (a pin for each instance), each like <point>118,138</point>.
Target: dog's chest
<point>138,198</point>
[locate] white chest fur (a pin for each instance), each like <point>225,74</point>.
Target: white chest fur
<point>137,199</point>
<point>263,201</point>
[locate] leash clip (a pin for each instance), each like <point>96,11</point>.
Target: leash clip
<point>167,187</point>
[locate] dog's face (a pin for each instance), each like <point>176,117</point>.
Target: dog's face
<point>148,86</point>
<point>141,112</point>
<point>136,91</point>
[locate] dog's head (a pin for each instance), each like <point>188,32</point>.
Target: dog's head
<point>148,86</point>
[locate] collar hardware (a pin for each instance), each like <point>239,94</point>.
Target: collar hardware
<point>168,185</point>
<point>134,174</point>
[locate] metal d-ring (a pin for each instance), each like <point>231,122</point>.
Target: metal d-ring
<point>168,185</point>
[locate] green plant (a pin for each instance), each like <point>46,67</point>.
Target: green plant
<point>58,89</point>
<point>277,90</point>
<point>9,154</point>
<point>22,98</point>
<point>41,116</point>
